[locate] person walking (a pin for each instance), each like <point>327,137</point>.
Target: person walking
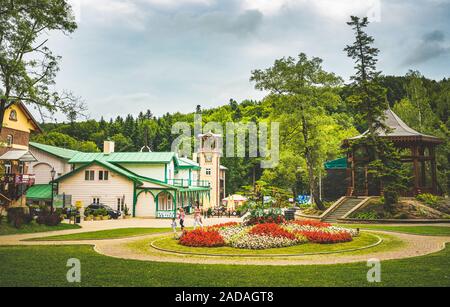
<point>198,218</point>
<point>181,217</point>
<point>174,227</point>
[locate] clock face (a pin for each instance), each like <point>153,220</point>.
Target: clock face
<point>208,158</point>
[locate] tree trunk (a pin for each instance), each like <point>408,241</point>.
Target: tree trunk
<point>2,113</point>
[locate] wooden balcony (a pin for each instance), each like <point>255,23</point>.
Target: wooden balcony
<point>14,186</point>
<point>186,183</point>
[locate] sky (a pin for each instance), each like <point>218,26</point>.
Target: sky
<point>128,56</point>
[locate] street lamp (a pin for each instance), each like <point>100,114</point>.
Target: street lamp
<point>53,174</point>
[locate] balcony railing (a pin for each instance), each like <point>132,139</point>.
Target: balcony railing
<point>15,186</point>
<point>186,183</point>
<point>18,179</point>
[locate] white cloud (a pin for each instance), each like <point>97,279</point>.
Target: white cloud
<point>109,12</point>
<point>177,3</point>
<point>338,10</point>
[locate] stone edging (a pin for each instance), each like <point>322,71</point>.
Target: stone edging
<point>380,240</point>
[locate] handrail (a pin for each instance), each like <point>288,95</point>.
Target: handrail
<point>189,183</point>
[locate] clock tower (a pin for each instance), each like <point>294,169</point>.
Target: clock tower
<point>208,156</point>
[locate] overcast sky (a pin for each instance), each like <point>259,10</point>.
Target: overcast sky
<point>171,55</point>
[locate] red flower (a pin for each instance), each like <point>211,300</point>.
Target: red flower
<point>312,223</point>
<point>323,237</point>
<point>273,230</point>
<point>202,238</point>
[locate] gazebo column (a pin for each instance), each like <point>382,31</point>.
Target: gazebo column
<point>423,177</point>
<point>415,156</point>
<point>432,153</point>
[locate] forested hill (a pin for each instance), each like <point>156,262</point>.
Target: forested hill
<point>409,96</point>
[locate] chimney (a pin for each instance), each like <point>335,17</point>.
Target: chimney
<point>108,147</point>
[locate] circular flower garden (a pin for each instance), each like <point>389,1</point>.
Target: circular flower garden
<point>260,235</point>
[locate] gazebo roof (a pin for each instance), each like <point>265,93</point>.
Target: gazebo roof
<point>398,130</point>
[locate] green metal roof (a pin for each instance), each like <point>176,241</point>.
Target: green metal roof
<point>125,157</point>
<point>337,164</point>
<point>40,192</point>
<point>188,163</point>
<point>63,153</point>
<point>107,165</point>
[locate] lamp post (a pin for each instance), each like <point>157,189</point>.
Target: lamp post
<point>53,174</point>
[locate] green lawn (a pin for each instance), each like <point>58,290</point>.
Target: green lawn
<point>105,234</point>
<point>98,270</point>
<point>417,230</point>
<point>169,243</point>
<point>7,229</point>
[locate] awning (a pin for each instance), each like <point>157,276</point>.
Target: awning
<point>337,164</point>
<point>40,192</point>
<point>18,155</point>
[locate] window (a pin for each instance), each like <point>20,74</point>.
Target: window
<point>89,175</point>
<point>96,200</point>
<point>13,115</point>
<point>8,167</point>
<point>9,140</point>
<point>165,202</point>
<point>208,172</point>
<point>21,168</point>
<point>103,175</point>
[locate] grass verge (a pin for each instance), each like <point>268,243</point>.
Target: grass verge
<point>104,234</point>
<point>98,270</point>
<point>7,229</point>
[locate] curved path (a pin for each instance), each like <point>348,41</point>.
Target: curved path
<point>414,245</point>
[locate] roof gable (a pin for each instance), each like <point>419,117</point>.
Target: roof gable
<point>125,157</point>
<point>397,128</point>
<point>62,153</point>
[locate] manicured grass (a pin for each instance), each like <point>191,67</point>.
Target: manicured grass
<point>169,243</point>
<point>20,268</point>
<point>7,229</point>
<point>105,234</point>
<point>417,230</point>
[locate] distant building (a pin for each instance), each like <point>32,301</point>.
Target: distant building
<point>150,184</point>
<point>208,157</point>
<point>15,157</point>
<point>350,176</point>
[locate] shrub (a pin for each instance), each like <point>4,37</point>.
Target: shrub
<point>18,216</point>
<point>370,215</point>
<point>271,230</point>
<point>429,199</point>
<point>87,212</point>
<point>49,219</point>
<point>202,238</point>
<point>323,237</point>
<point>261,216</point>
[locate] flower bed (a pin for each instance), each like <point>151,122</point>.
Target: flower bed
<point>202,238</point>
<point>323,237</point>
<point>267,235</point>
<point>271,230</point>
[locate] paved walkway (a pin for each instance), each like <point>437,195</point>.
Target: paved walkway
<point>414,245</point>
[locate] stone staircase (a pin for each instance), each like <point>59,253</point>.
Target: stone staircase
<point>341,210</point>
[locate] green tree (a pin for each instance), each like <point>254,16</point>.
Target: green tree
<point>369,98</point>
<point>27,65</point>
<point>303,90</point>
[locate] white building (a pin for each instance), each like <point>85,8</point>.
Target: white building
<point>150,184</point>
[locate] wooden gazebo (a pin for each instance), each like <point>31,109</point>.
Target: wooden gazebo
<point>418,153</point>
